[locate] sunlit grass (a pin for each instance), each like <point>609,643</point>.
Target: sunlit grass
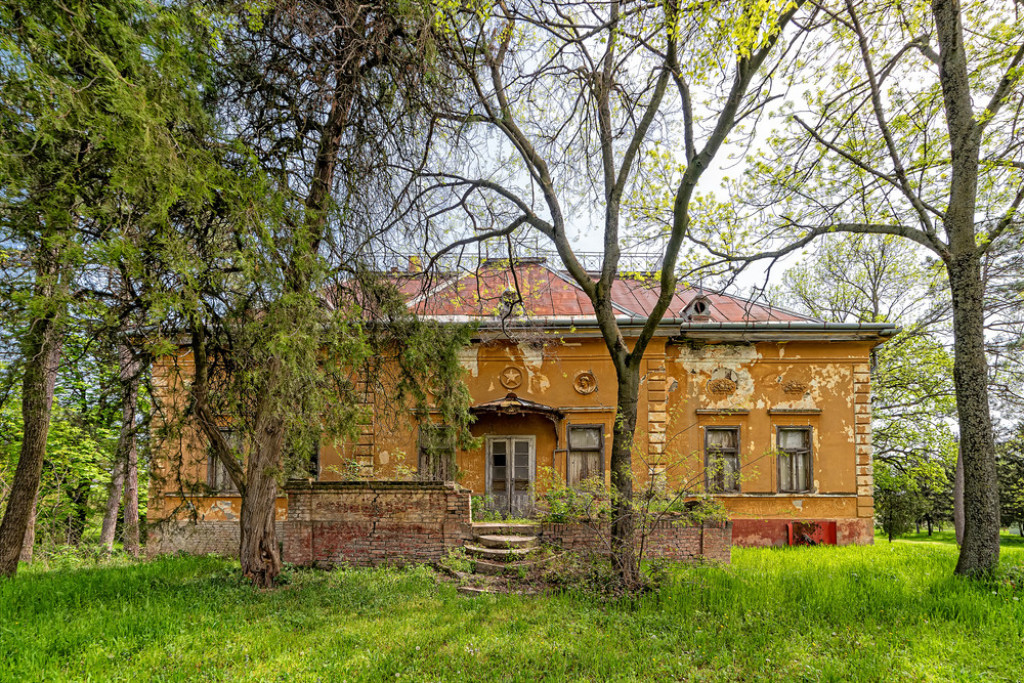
<point>888,612</point>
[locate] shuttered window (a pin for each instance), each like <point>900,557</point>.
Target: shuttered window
<point>722,459</point>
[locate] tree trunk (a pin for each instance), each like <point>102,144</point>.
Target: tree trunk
<point>958,497</point>
<point>979,551</point>
<point>129,375</point>
<point>258,552</point>
<point>79,515</point>
<point>28,547</point>
<point>42,356</point>
<point>131,498</point>
<point>623,521</point>
<point>109,527</point>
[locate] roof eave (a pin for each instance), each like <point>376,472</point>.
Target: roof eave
<point>787,330</point>
<point>776,330</point>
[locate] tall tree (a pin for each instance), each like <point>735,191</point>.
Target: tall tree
<point>577,100</point>
<point>317,91</point>
<point>87,129</point>
<point>909,129</point>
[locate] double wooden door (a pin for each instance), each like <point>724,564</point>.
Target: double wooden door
<point>511,474</point>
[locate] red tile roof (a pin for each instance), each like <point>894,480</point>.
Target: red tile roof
<point>548,292</point>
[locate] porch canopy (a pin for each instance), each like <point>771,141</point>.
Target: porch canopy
<point>512,405</point>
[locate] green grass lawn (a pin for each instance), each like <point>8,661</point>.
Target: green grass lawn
<point>888,612</point>
<point>1007,539</point>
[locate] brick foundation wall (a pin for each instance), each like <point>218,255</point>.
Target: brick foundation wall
<point>205,537</point>
<point>667,540</point>
<point>368,523</point>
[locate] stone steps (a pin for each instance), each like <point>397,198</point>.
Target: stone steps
<point>500,550</point>
<point>506,541</point>
<point>506,554</point>
<point>489,568</point>
<point>504,529</point>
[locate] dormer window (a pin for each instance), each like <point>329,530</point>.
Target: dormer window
<point>698,310</point>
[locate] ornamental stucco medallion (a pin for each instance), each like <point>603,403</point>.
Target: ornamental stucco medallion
<point>794,387</point>
<point>722,385</point>
<point>585,383</point>
<point>511,377</point>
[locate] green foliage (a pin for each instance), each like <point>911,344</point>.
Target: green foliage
<point>81,446</point>
<point>881,613</point>
<point>482,511</point>
<point>589,501</point>
<point>700,509</point>
<point>1011,479</point>
<point>457,560</point>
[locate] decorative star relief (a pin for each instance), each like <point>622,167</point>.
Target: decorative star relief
<point>511,377</point>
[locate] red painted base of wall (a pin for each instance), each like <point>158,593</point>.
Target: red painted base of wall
<point>776,532</point>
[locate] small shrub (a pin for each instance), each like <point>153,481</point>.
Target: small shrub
<point>480,507</point>
<point>457,561</point>
<point>590,574</point>
<point>562,504</point>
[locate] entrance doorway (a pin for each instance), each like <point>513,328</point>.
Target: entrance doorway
<point>511,468</point>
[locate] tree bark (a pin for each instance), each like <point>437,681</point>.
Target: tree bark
<point>79,514</point>
<point>131,499</point>
<point>28,547</point>
<point>623,516</point>
<point>42,356</point>
<point>129,375</point>
<point>107,531</point>
<point>958,497</point>
<point>258,552</point>
<point>979,551</point>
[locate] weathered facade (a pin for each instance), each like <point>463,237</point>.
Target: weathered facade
<point>767,409</point>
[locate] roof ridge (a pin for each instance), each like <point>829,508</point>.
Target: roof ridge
<point>567,278</point>
<point>768,307</point>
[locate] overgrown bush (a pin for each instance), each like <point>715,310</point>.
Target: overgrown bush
<point>561,504</point>
<point>702,509</point>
